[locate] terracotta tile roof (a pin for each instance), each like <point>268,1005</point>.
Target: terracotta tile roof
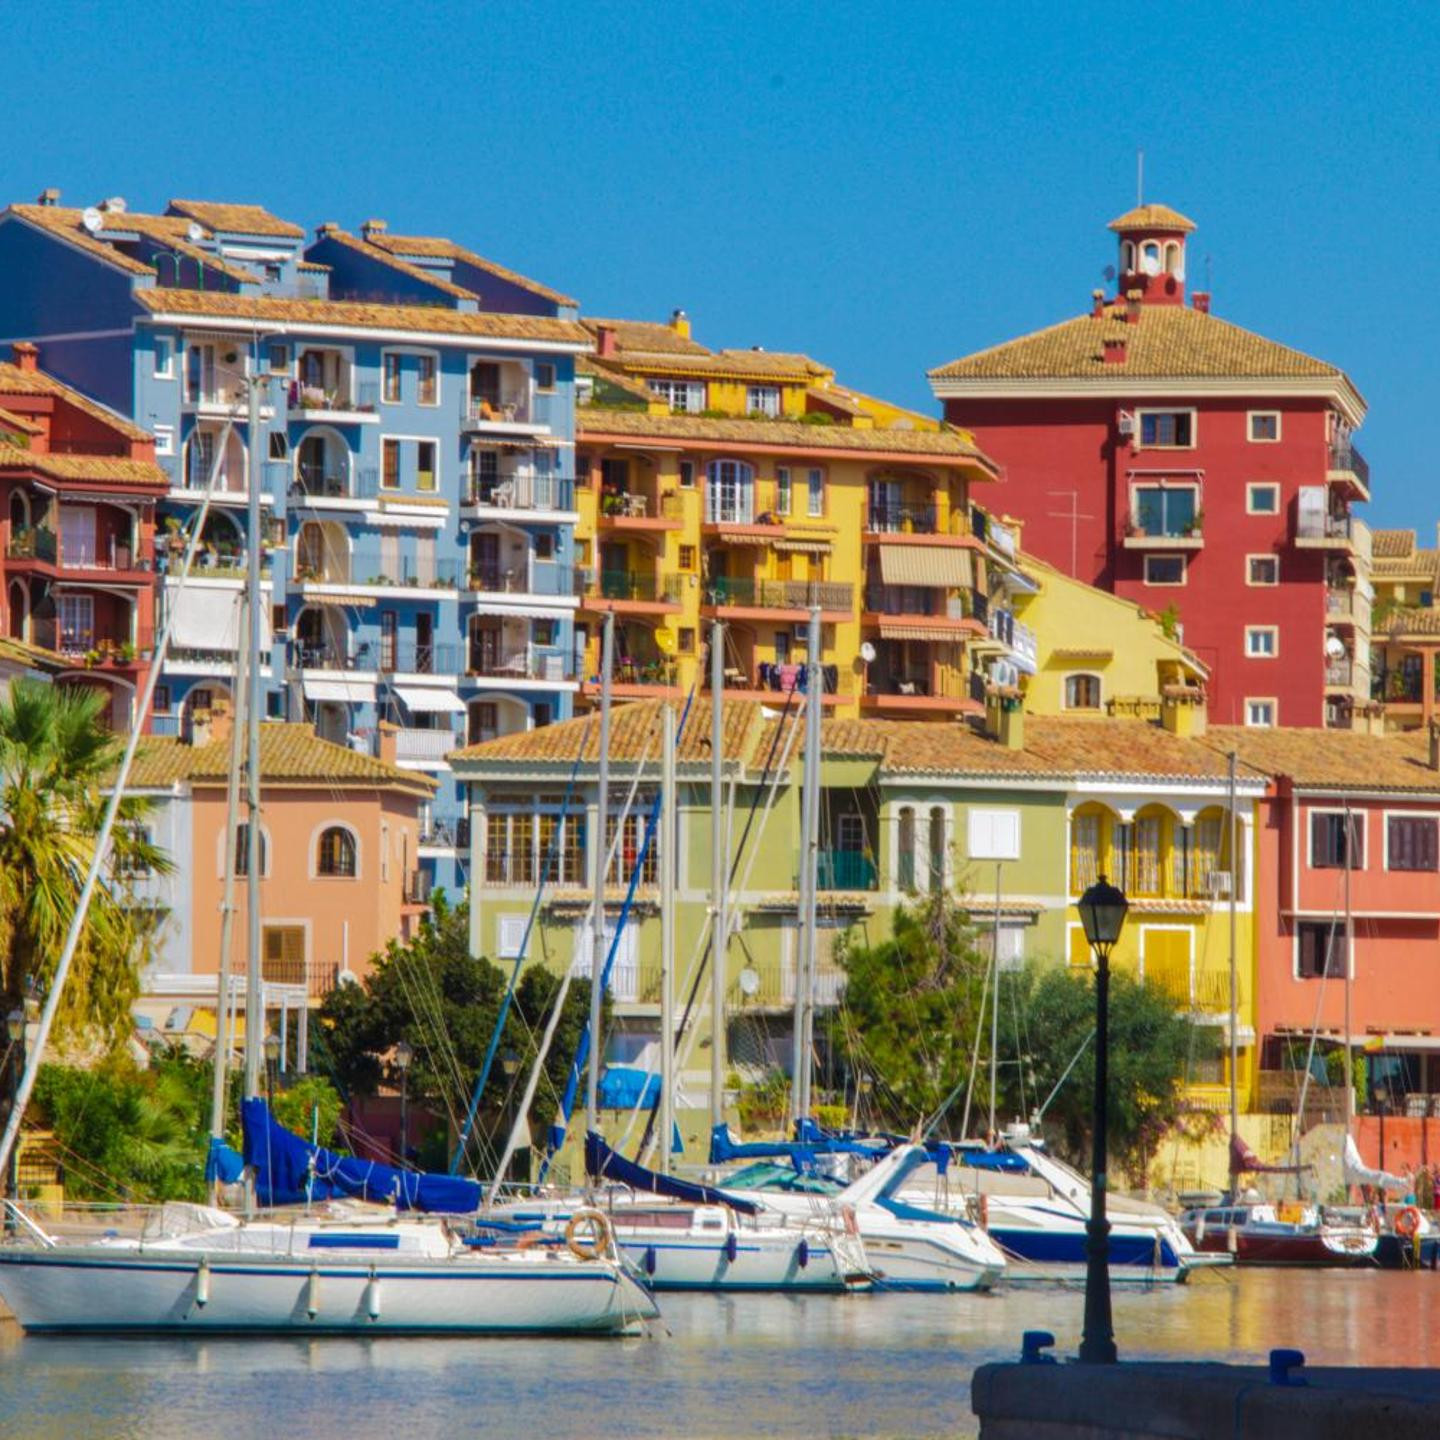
<point>1168,342</point>
<point>15,381</point>
<point>1152,217</point>
<point>435,247</point>
<point>402,267</point>
<point>1409,620</point>
<point>1420,564</point>
<point>1333,759</point>
<point>84,467</point>
<point>65,222</point>
<point>422,319</point>
<point>647,337</point>
<point>236,219</point>
<point>740,432</point>
<point>288,754</point>
<point>36,656</point>
<point>11,421</point>
<point>601,369</point>
<point>1391,544</point>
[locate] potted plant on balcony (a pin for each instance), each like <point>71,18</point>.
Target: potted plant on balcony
<point>126,654</point>
<point>1196,523</point>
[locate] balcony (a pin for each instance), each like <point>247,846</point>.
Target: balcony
<point>425,748</point>
<point>845,870</point>
<point>1142,536</point>
<point>927,606</point>
<point>507,412</point>
<point>331,655</point>
<point>791,599</point>
<point>632,511</point>
<point>935,690</point>
<point>769,679</point>
<point>776,986</point>
<point>519,665</point>
<point>36,543</point>
<point>1317,526</point>
<point>922,520</point>
<point>346,405</point>
<point>1343,606</point>
<point>1347,466</point>
<point>631,589</point>
<point>539,578</point>
<point>1017,638</point>
<point>1340,674</point>
<point>102,646</point>
<point>445,832</point>
<point>523,491</point>
<point>409,657</point>
<point>377,570</point>
<point>997,535</point>
<point>416,887</point>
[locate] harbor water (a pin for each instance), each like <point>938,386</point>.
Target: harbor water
<point>877,1365</point>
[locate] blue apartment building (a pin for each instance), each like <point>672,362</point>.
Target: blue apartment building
<point>415,456</point>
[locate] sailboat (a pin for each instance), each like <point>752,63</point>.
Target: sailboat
<point>334,1270</point>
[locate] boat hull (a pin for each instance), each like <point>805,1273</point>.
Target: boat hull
<point>693,1264</point>
<point>1313,1249</point>
<point>1058,1256</point>
<point>94,1289</point>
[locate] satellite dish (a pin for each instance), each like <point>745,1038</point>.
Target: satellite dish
<point>1334,647</point>
<point>867,652</point>
<point>749,982</point>
<point>1150,264</point>
<point>1108,272</point>
<point>116,204</point>
<point>664,642</point>
<point>92,219</point>
<point>347,977</point>
<point>193,232</point>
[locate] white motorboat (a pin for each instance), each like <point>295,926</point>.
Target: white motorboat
<point>349,1270</point>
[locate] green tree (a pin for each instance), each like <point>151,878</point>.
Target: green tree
<point>911,1006</point>
<point>55,756</point>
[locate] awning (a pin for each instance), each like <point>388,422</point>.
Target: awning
<point>315,595</point>
<point>485,606</point>
<point>348,692</point>
<point>417,699</point>
<point>737,539</point>
<point>899,630</point>
<point>805,547</point>
<point>206,619</point>
<point>926,565</point>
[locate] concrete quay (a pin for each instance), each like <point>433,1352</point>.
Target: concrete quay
<point>1039,1399</point>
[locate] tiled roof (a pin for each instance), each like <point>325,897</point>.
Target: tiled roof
<point>1168,342</point>
<point>422,319</point>
<point>647,337</point>
<point>84,467</point>
<point>22,652</point>
<point>66,223</point>
<point>434,247</point>
<point>288,753</point>
<point>15,381</point>
<point>948,442</point>
<point>402,267</point>
<point>1338,759</point>
<point>602,369</point>
<point>1410,620</point>
<point>1391,544</point>
<point>1419,564</point>
<point>236,219</point>
<point>9,420</point>
<point>1152,217</point>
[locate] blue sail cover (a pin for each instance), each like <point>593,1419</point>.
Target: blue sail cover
<point>289,1170</point>
<point>602,1163</point>
<point>811,1141</point>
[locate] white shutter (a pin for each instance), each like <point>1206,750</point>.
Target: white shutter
<point>510,935</point>
<point>994,834</point>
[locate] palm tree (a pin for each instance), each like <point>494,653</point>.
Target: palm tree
<point>55,758</point>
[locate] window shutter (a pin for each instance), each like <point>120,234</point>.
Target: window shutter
<point>1429,845</point>
<point>1307,951</point>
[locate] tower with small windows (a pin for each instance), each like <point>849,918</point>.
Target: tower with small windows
<point>1152,253</point>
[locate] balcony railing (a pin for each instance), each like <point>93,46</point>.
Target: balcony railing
<point>36,543</point>
<point>1340,672</point>
<point>1340,603</point>
<point>1322,527</point>
<point>410,657</point>
<point>519,665</point>
<point>326,655</point>
<point>417,887</point>
<point>1017,636</point>
<point>450,832</point>
<point>358,399</point>
<point>425,747</point>
<point>845,870</point>
<point>539,578</point>
<point>924,600</point>
<point>522,492</point>
<point>945,684</point>
<point>505,409</point>
<point>319,977</point>
<point>780,594</point>
<point>375,568</point>
<point>901,518</point>
<point>100,647</point>
<point>633,506</point>
<point>782,678</point>
<point>1344,456</point>
<point>633,585</point>
<point>322,482</point>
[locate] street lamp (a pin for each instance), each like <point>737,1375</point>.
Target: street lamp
<point>404,1054</point>
<point>15,1029</point>
<point>272,1059</point>
<point>1102,914</point>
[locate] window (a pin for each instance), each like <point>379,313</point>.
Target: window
<point>1165,509</point>
<point>1262,642</point>
<point>782,490</point>
<point>762,400</point>
<point>542,632</point>
<point>729,493</point>
<point>279,359</point>
<point>685,397</point>
<point>1262,569</point>
<point>1084,852</point>
<point>541,714</point>
<point>77,619</point>
<point>1167,429</point>
<point>1321,949</point>
<point>160,703</point>
<point>390,384</point>
<point>687,557</point>
<point>544,546</point>
<point>1334,845</point>
<point>1164,569</point>
<point>1264,426</point>
<point>128,861</point>
<point>390,464</point>
<point>544,375</point>
<point>425,478</point>
<point>1260,714</point>
<point>242,851</point>
<point>283,960</point>
<point>905,850</point>
<point>164,358</point>
<point>335,855</point>
<point>937,848</point>
<point>1082,692</point>
<point>687,474</point>
<point>815,481</point>
<point>427,380</point>
<point>994,834</point>
<point>1412,842</point>
<point>1262,499</point>
<point>626,857</point>
<point>686,644</point>
<point>279,445</point>
<point>164,440</point>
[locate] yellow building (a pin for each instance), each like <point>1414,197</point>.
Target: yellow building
<point>1405,628</point>
<point>748,486</point>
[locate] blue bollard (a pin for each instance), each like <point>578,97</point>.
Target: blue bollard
<point>1033,1345</point>
<point>1282,1363</point>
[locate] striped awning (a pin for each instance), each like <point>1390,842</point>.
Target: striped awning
<point>805,546</point>
<point>737,539</point>
<point>317,596</point>
<point>899,630</point>
<point>926,565</point>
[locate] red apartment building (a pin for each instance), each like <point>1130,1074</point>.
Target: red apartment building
<point>1167,455</point>
<point>78,487</point>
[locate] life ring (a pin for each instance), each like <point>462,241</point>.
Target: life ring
<point>1407,1223</point>
<point>587,1234</point>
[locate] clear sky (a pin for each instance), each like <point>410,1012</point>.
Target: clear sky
<point>883,187</point>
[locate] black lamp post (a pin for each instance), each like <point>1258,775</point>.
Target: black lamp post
<point>1102,913</point>
<point>404,1054</point>
<point>15,1029</point>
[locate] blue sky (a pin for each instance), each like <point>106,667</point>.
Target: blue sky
<point>884,187</point>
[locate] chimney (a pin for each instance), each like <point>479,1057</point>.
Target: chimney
<point>1132,307</point>
<point>1005,719</point>
<point>1183,711</point>
<point>25,355</point>
<point>373,227</point>
<point>1114,349</point>
<point>1097,304</point>
<point>605,343</point>
<point>48,197</point>
<point>387,734</point>
<point>1200,300</point>
<point>680,324</point>
<point>328,227</point>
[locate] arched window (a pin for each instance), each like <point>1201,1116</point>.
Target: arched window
<point>937,848</point>
<point>1172,257</point>
<point>335,854</point>
<point>242,850</point>
<point>1150,255</point>
<point>729,492</point>
<point>1127,256</point>
<point>905,850</point>
<point>1082,692</point>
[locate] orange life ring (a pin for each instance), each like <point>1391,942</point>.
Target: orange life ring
<point>1407,1223</point>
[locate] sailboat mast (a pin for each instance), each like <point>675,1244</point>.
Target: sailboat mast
<point>809,867</point>
<point>602,815</point>
<point>720,934</point>
<point>1234,958</point>
<point>254,1008</point>
<point>1349,970</point>
<point>995,1008</point>
<point>669,854</point>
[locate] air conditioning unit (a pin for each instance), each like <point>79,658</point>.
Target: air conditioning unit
<point>1127,423</point>
<point>1217,884</point>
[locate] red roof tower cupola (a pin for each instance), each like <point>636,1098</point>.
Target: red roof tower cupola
<point>1152,253</point>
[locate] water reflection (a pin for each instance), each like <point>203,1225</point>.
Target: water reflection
<point>761,1366</point>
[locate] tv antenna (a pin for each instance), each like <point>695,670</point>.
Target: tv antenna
<point>1139,177</point>
<point>1074,516</point>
